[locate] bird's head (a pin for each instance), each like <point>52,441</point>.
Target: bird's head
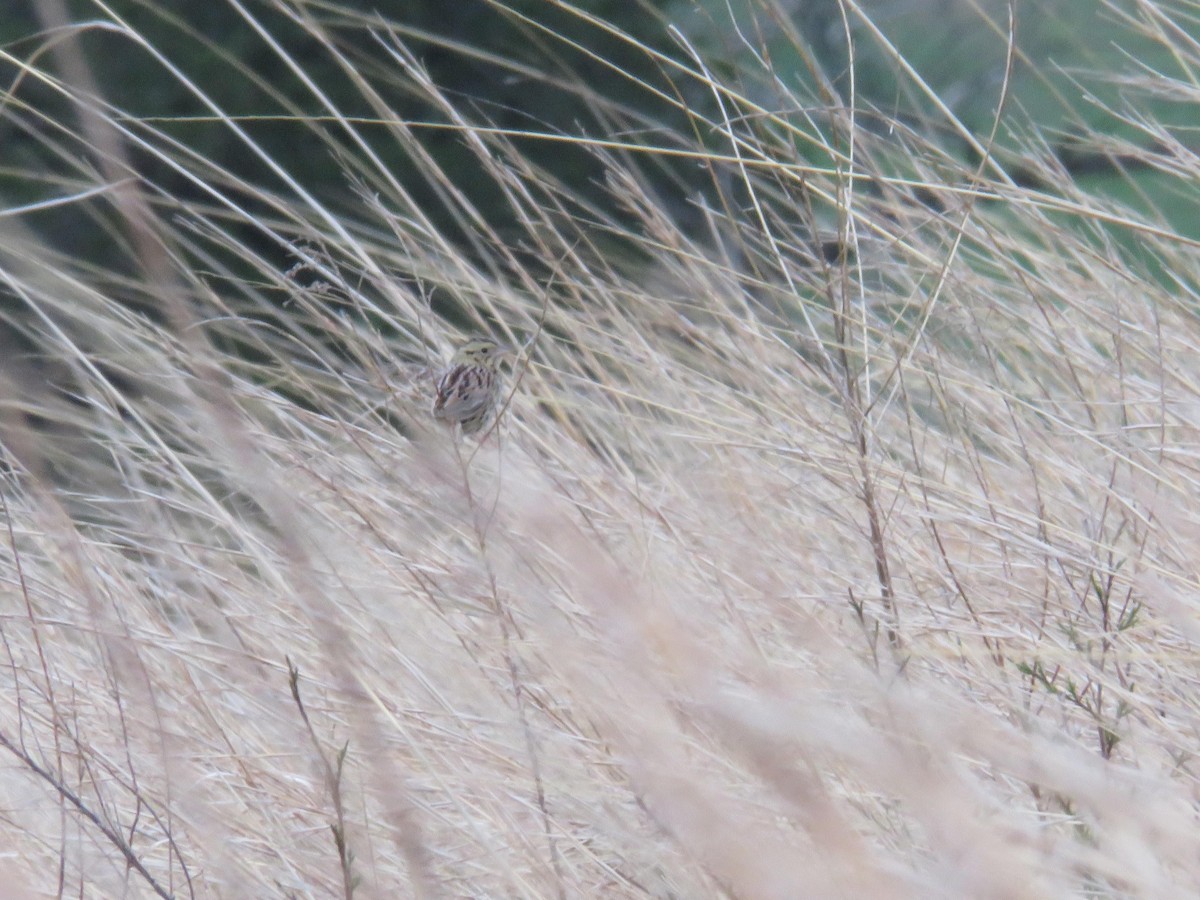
<point>480,351</point>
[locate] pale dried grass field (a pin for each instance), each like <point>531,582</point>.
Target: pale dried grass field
<point>778,578</point>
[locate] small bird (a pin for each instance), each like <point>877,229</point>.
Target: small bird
<point>468,389</point>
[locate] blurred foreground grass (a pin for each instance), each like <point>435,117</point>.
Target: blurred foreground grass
<point>837,545</point>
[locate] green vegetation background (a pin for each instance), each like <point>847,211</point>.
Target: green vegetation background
<point>532,66</point>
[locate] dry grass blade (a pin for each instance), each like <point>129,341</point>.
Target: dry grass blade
<point>835,543</point>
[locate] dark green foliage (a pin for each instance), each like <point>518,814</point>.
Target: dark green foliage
<point>503,70</point>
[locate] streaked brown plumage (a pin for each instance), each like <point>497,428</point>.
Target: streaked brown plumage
<point>468,389</point>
